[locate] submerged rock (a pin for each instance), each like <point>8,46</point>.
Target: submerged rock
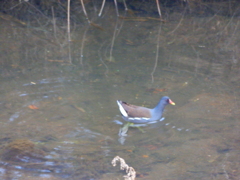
<point>23,150</point>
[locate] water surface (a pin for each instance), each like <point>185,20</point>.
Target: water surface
<point>59,112</point>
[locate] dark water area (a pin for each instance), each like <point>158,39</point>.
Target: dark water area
<point>58,112</point>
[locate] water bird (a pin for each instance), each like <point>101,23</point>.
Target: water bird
<point>139,115</point>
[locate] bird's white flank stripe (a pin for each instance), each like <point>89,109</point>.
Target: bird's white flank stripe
<point>138,118</point>
<point>122,110</point>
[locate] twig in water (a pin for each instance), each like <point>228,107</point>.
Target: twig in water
<point>131,173</point>
<point>82,46</point>
<point>113,40</point>
<point>158,7</point>
<point>68,21</point>
<point>36,9</point>
<point>115,2</point>
<point>103,3</point>
<point>68,32</point>
<point>125,5</point>
<point>85,12</point>
<point>100,56</point>
<point>54,23</point>
<point>96,26</point>
<point>115,34</point>
<point>178,23</point>
<point>156,60</point>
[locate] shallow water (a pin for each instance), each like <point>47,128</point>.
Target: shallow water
<point>58,120</point>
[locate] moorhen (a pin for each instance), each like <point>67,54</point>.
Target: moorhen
<point>138,114</point>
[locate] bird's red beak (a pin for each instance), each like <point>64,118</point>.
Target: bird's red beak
<point>171,102</point>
